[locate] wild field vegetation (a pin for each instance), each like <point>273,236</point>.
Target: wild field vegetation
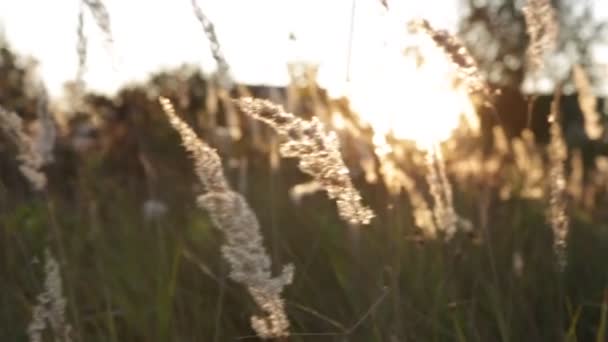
<point>191,208</point>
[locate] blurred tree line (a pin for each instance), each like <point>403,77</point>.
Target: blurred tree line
<point>495,33</point>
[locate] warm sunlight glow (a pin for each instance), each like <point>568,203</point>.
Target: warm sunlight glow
<point>412,99</point>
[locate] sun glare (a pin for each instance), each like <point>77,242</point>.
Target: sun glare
<point>411,99</point>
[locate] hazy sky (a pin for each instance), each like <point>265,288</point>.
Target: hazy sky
<point>153,34</point>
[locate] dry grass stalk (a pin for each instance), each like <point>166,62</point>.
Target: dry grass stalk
<point>232,119</point>
<point>588,103</point>
<point>223,69</point>
<point>396,179</point>
<point>542,28</point>
<point>29,156</point>
<point>441,191</point>
<point>501,142</point>
<point>81,50</point>
<point>102,18</point>
<point>51,306</point>
<point>224,78</point>
<point>558,153</point>
<point>530,165</point>
<point>459,55</point>
<point>576,181</point>
<point>46,133</point>
<point>319,154</point>
<point>243,249</point>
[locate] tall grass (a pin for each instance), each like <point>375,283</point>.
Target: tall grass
<point>140,262</point>
<point>244,249</point>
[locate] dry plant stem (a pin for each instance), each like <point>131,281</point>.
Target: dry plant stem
<point>44,140</point>
<point>588,103</point>
<point>81,50</point>
<point>531,101</point>
<point>529,164</point>
<point>223,69</point>
<point>447,186</point>
<point>441,191</point>
<point>102,18</point>
<point>51,306</point>
<point>459,55</point>
<point>576,184</point>
<point>395,179</point>
<point>29,156</point>
<point>542,28</point>
<point>243,249</point>
<point>318,152</point>
<point>224,78</point>
<point>558,154</point>
<point>220,305</point>
<point>232,118</point>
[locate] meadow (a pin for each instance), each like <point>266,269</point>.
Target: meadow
<point>186,208</point>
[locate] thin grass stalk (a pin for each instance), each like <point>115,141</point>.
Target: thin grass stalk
<point>587,103</point>
<point>102,19</point>
<point>224,77</point>
<point>558,153</point>
<point>81,50</point>
<point>441,191</point>
<point>223,69</point>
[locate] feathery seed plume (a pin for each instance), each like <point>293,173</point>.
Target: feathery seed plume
<point>51,306</point>
<point>319,154</point>
<point>459,55</point>
<point>243,249</point>
<point>30,157</point>
<point>542,28</point>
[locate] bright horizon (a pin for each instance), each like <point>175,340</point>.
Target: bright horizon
<point>155,35</point>
<point>254,38</point>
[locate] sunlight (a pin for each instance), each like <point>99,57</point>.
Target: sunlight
<point>412,100</point>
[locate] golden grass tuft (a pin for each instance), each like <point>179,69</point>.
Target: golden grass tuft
<point>243,249</point>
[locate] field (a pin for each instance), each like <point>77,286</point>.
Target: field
<point>186,208</point>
